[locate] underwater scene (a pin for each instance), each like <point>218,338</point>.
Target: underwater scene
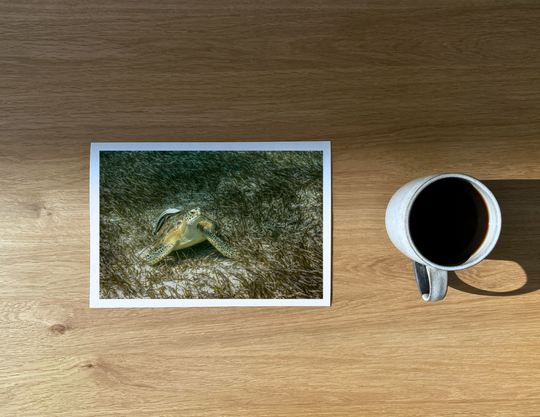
<point>211,224</point>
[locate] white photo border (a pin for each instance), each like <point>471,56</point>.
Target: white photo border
<point>97,302</point>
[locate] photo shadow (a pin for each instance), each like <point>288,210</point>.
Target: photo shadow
<point>519,241</point>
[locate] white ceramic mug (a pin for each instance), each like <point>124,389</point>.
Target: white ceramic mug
<point>432,277</point>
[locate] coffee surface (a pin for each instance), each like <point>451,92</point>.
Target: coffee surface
<point>448,221</point>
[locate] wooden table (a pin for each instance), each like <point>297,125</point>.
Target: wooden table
<point>401,88</point>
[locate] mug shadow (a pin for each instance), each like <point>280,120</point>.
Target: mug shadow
<point>519,240</point>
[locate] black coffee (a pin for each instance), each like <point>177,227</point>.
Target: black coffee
<point>448,221</point>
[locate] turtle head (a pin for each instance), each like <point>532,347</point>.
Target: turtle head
<point>193,216</point>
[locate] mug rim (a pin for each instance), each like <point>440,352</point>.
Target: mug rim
<point>486,247</point>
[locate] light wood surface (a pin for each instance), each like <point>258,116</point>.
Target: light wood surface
<point>401,88</point>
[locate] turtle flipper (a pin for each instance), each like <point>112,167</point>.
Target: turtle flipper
<point>220,245</point>
<point>160,253</point>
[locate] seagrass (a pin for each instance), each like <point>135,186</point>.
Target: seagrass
<point>266,206</point>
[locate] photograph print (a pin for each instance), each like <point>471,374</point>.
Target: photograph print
<point>210,224</point>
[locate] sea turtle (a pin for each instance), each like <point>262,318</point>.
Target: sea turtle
<point>175,230</point>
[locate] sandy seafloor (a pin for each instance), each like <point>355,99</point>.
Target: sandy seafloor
<point>266,205</point>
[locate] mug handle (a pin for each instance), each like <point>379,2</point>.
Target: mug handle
<point>432,282</point>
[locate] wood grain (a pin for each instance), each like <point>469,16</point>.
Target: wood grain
<point>401,88</point>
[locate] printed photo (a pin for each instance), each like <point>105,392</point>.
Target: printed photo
<point>213,224</point>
